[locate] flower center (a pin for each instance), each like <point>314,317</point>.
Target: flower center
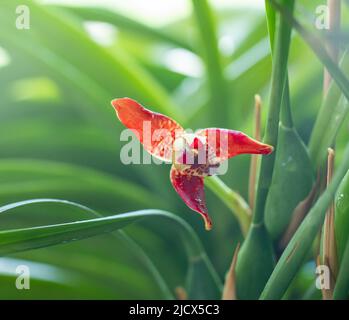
<point>191,155</point>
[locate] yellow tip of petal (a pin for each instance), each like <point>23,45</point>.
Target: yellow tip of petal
<point>208,224</point>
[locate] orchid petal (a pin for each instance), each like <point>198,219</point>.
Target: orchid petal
<point>191,190</point>
<point>227,143</point>
<point>155,131</point>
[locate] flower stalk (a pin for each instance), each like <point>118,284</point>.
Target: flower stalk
<point>229,289</point>
<point>254,157</point>
<point>233,200</point>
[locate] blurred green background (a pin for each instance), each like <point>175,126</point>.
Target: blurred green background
<point>59,137</point>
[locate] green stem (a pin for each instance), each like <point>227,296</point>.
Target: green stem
<point>280,57</point>
<point>216,80</point>
<point>334,7</point>
<point>316,44</point>
<point>271,20</point>
<point>233,201</point>
<point>286,114</point>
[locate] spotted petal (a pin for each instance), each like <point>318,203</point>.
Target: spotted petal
<point>155,131</point>
<point>227,143</point>
<point>191,190</point>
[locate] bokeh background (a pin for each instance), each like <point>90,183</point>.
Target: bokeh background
<point>59,137</point>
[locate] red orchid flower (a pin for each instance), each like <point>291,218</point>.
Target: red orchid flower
<point>193,156</point>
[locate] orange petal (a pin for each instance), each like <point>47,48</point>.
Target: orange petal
<point>229,143</point>
<point>155,131</point>
<point>191,190</point>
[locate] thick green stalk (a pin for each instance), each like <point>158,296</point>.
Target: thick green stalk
<point>280,57</point>
<point>256,257</point>
<point>292,164</point>
<point>271,21</point>
<point>286,115</point>
<point>219,98</point>
<point>233,201</point>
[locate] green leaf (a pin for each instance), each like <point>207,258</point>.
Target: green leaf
<point>115,73</point>
<point>341,218</point>
<point>331,116</point>
<point>341,290</point>
<point>316,44</point>
<point>20,178</point>
<point>300,244</point>
<point>47,282</point>
<point>201,282</point>
<point>17,240</point>
<point>217,83</point>
<point>148,263</point>
<point>139,252</point>
<point>125,23</point>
